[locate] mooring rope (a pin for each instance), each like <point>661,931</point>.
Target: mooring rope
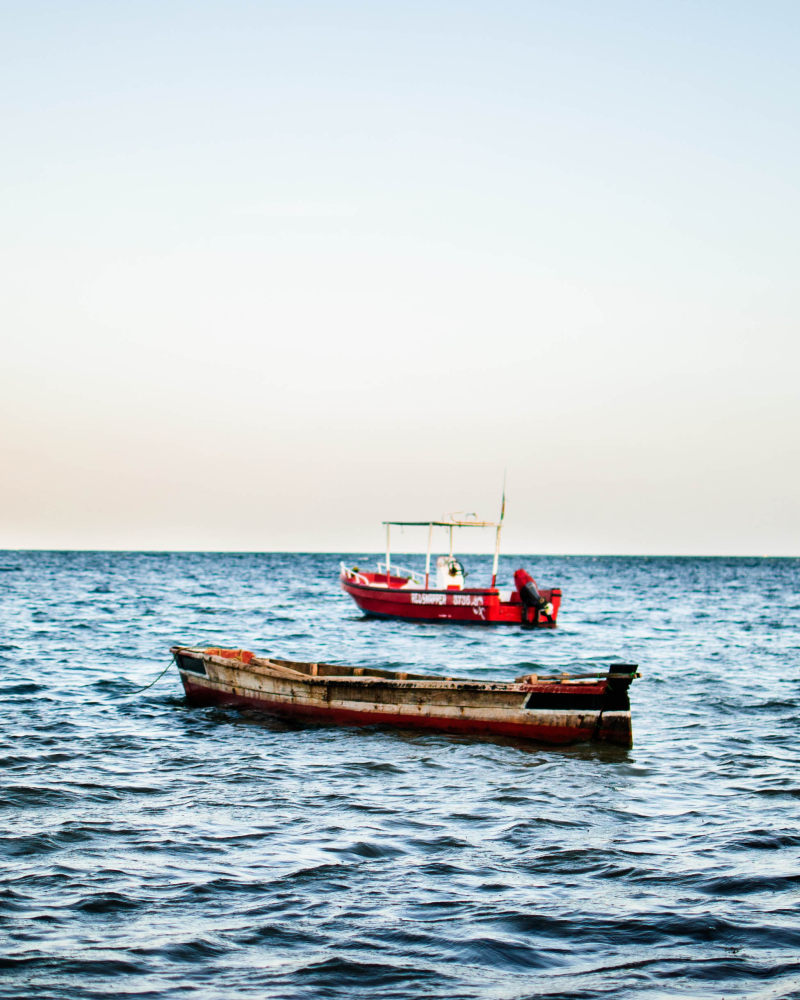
<point>139,690</point>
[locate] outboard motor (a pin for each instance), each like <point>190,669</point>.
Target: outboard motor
<point>531,598</point>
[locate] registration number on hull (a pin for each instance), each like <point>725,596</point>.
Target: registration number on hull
<point>459,600</point>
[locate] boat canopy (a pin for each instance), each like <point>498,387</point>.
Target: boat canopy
<point>453,522</point>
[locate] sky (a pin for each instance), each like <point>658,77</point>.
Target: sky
<point>275,272</point>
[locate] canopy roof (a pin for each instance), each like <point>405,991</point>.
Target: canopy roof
<point>444,524</point>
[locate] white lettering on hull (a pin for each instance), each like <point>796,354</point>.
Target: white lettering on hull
<point>470,600</point>
<point>459,600</point>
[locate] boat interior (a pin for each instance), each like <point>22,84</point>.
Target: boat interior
<point>334,670</point>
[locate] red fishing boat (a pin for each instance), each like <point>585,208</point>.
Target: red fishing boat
<point>559,708</point>
<point>390,591</point>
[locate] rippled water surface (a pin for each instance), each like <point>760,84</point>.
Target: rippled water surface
<point>152,849</point>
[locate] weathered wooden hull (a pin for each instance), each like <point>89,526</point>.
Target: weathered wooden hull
<point>479,606</point>
<point>559,710</point>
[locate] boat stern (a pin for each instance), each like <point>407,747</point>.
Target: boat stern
<point>614,723</point>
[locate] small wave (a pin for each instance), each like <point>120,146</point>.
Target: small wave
<point>276,935</point>
<point>191,951</point>
<point>23,687</point>
<point>771,792</point>
<point>25,796</point>
<point>108,902</point>
<point>28,846</point>
<point>763,840</point>
<point>336,972</point>
<point>365,849</point>
<point>745,885</point>
<point>106,967</point>
<point>504,953</point>
<point>375,767</point>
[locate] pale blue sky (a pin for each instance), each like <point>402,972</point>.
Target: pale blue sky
<point>275,272</point>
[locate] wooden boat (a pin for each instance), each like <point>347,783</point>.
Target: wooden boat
<point>393,592</point>
<point>557,709</point>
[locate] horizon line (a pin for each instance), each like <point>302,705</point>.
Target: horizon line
<point>378,552</point>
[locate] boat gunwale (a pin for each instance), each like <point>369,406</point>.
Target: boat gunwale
<point>272,668</point>
<point>420,590</point>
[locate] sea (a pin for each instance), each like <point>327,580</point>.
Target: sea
<point>152,849</point>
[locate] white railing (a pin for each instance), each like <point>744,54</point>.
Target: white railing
<point>353,574</point>
<point>402,571</point>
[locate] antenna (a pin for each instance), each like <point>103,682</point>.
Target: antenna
<point>497,534</point>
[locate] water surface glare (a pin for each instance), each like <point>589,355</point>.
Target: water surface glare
<point>153,849</point>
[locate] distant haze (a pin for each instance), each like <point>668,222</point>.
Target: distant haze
<point>272,273</point>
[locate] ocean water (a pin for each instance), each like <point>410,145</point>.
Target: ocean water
<point>152,849</point>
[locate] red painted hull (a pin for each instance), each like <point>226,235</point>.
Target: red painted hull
<point>478,606</point>
<point>554,734</point>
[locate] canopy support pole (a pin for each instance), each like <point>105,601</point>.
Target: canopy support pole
<point>428,556</point>
<point>496,554</point>
<point>388,554</point>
